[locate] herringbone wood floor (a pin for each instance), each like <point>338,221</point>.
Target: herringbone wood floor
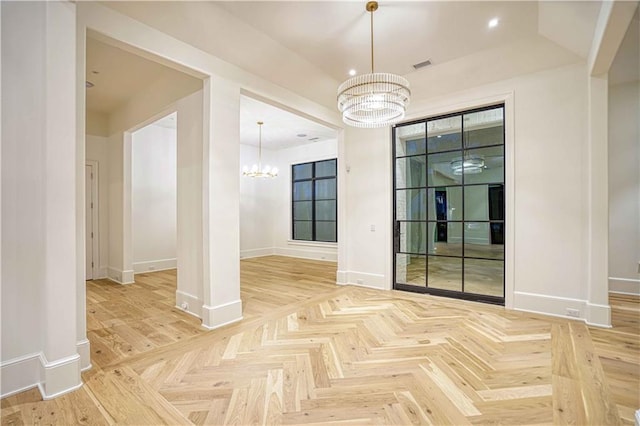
<point>312,352</point>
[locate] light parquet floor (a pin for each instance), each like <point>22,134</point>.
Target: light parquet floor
<point>310,352</point>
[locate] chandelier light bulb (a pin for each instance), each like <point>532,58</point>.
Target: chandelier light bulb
<point>257,171</point>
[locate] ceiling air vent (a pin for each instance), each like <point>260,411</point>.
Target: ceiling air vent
<point>422,64</point>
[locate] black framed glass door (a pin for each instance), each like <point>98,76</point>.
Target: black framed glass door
<point>449,205</point>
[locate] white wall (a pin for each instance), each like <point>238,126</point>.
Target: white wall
<point>97,150</point>
<point>153,197</point>
<point>257,205</point>
<point>367,203</point>
<point>265,204</point>
<point>146,106</point>
<point>549,124</point>
<point>624,188</point>
<point>120,267</point>
<point>283,243</point>
<point>189,226</point>
<point>23,172</point>
<point>39,264</point>
<point>160,95</point>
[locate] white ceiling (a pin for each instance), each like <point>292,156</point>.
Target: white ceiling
<point>118,75</point>
<point>335,35</point>
<point>122,75</point>
<point>626,64</point>
<point>308,47</point>
<point>281,129</point>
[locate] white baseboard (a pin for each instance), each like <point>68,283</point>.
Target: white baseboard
<point>60,376</point>
<point>267,251</point>
<point>33,370</point>
<point>341,277</point>
<point>592,314</point>
<point>548,305</point>
<point>363,279</point>
<point>19,374</point>
<point>218,316</point>
<point>83,347</point>
<point>328,254</point>
<point>154,265</point>
<point>103,272</point>
<point>193,304</point>
<point>624,286</point>
<point>119,276</point>
<point>598,315</point>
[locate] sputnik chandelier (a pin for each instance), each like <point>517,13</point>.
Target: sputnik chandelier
<point>376,99</point>
<point>257,171</point>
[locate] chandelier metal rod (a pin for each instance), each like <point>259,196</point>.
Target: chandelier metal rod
<point>372,6</point>
<point>371,13</point>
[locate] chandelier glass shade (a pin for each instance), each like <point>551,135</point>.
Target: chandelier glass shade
<point>469,165</point>
<point>373,100</point>
<point>376,99</point>
<point>257,171</point>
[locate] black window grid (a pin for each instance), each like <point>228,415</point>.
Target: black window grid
<point>313,179</point>
<point>396,228</point>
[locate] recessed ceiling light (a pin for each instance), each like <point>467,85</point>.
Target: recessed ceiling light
<point>88,84</point>
<point>493,23</point>
<point>352,72</point>
<point>301,135</point>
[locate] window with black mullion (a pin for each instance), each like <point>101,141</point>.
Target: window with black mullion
<point>314,200</point>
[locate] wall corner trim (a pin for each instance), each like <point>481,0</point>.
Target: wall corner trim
<point>363,279</point>
<point>218,316</point>
<point>341,277</point>
<point>83,347</point>
<point>34,370</point>
<point>598,315</point>
<point>120,276</point>
<point>60,376</point>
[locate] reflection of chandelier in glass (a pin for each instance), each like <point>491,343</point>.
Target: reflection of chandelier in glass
<point>257,171</point>
<point>469,165</point>
<point>376,99</point>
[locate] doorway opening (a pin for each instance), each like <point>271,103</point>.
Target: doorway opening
<point>154,188</point>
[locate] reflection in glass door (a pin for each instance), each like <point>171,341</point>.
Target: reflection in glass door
<point>449,205</point>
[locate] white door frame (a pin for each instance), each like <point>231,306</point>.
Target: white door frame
<point>95,225</point>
